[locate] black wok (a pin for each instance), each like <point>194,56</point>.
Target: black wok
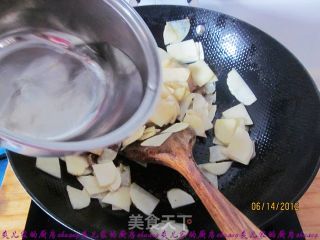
<point>286,130</point>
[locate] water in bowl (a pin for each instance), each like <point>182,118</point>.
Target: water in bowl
<point>52,84</point>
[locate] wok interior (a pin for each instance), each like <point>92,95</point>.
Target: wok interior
<point>286,130</point>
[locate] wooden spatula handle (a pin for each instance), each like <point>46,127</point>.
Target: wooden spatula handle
<point>228,218</point>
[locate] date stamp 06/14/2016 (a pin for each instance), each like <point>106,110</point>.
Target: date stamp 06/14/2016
<point>274,206</point>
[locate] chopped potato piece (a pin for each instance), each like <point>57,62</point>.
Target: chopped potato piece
<point>216,153</point>
<point>217,168</point>
<point>239,88</point>
<point>105,173</point>
<point>107,155</point>
<point>156,141</point>
<point>185,52</point>
<point>195,122</point>
<point>115,185</point>
<point>179,198</point>
<point>224,129</point>
<point>49,165</point>
<point>149,132</point>
<point>126,176</point>
<point>176,31</point>
<point>179,75</point>
<point>241,147</point>
<point>201,73</point>
<point>78,198</point>
<point>238,111</point>
<point>76,165</point>
<point>177,127</point>
<point>142,199</point>
<point>166,111</point>
<point>120,198</point>
<point>90,183</point>
<point>134,137</point>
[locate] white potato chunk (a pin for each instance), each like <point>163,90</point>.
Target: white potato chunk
<point>105,173</point>
<point>149,132</point>
<point>224,129</point>
<point>156,141</point>
<point>217,168</point>
<point>200,50</point>
<point>169,230</point>
<point>180,75</point>
<point>134,137</point>
<point>76,165</point>
<point>185,52</point>
<point>49,165</point>
<point>201,73</point>
<point>142,199</point>
<point>115,185</point>
<point>107,155</point>
<point>240,148</point>
<point>90,183</point>
<point>120,198</point>
<point>179,198</point>
<point>195,122</point>
<point>165,58</point>
<point>216,153</point>
<point>176,31</point>
<point>239,88</point>
<point>238,111</point>
<point>126,176</point>
<point>213,179</point>
<point>78,198</point>
<point>166,111</point>
<point>177,127</point>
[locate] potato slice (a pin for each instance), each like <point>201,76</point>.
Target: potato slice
<point>90,183</point>
<point>134,137</point>
<point>210,87</point>
<point>108,155</point>
<point>176,31</point>
<point>180,92</point>
<point>166,111</point>
<point>149,132</point>
<point>185,105</point>
<point>217,168</point>
<point>114,208</point>
<point>224,129</point>
<point>185,52</point>
<point>200,50</point>
<point>126,176</point>
<point>201,73</point>
<point>213,179</point>
<point>240,148</point>
<point>156,141</point>
<point>78,198</point>
<point>195,122</point>
<point>76,165</point>
<point>239,88</point>
<point>212,109</point>
<point>169,230</point>
<point>180,75</point>
<point>105,173</point>
<point>120,198</point>
<point>142,199</point>
<point>115,185</point>
<point>238,111</point>
<point>49,165</point>
<point>179,198</point>
<point>177,127</point>
<point>216,153</point>
<point>241,123</point>
<point>165,58</point>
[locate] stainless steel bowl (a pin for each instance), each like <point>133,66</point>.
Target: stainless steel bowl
<point>108,22</point>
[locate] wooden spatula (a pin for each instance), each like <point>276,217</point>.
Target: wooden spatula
<point>176,153</point>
